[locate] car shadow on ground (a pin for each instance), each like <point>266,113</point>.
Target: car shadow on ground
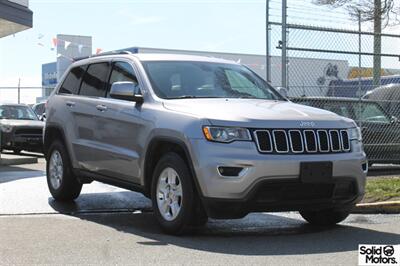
<point>256,234</point>
<point>13,173</point>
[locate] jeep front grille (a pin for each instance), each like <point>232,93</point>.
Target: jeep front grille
<point>300,141</point>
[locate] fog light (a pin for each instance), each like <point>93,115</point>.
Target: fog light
<point>364,167</point>
<point>229,171</point>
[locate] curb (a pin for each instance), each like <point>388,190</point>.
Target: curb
<point>17,160</point>
<point>386,207</point>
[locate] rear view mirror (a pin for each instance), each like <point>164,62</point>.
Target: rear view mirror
<point>126,90</point>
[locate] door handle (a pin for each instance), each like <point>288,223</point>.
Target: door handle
<point>70,104</point>
<point>101,107</point>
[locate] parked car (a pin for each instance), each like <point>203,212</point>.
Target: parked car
<point>202,137</point>
<point>40,110</point>
<point>380,131</point>
<point>388,97</point>
<point>20,129</point>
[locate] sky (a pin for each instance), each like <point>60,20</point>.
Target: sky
<point>236,26</point>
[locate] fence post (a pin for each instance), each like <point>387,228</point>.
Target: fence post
<point>268,45</point>
<point>284,44</point>
<point>359,64</point>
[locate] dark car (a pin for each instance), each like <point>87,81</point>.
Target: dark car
<point>388,97</point>
<point>20,128</point>
<point>380,131</point>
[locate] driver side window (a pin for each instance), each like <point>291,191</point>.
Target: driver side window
<point>121,71</point>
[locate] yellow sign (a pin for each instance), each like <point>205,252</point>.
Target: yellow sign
<point>364,73</point>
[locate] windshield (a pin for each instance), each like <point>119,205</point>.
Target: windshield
<point>18,112</point>
<point>186,79</point>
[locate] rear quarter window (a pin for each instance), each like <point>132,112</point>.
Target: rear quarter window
<point>72,80</point>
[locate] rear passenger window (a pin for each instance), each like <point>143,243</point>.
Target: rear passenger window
<point>71,82</point>
<point>122,71</point>
<point>95,79</point>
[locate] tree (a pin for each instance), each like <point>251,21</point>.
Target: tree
<point>381,12</point>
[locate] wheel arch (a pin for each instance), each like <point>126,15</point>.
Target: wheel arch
<point>155,149</point>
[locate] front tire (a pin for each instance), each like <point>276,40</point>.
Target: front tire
<point>62,183</point>
<point>175,200</point>
<point>327,217</point>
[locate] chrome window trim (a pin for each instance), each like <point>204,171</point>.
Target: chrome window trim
<point>327,139</point>
<point>305,140</point>
<point>286,137</point>
<point>291,143</point>
<point>257,142</point>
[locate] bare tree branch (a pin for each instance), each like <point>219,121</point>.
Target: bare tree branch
<point>389,10</point>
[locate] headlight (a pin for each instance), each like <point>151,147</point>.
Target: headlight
<point>6,128</point>
<point>225,134</point>
<point>355,133</point>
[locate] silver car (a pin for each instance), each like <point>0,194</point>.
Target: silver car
<point>202,137</point>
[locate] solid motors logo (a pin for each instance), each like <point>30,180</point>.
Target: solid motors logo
<point>378,255</point>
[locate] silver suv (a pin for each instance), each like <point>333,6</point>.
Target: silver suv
<point>202,137</point>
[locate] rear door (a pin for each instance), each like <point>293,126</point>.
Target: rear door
<point>67,98</point>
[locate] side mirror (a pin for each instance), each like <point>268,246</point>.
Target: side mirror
<point>126,90</point>
<point>394,120</point>
<point>283,91</point>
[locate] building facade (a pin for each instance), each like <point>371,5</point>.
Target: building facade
<point>15,16</point>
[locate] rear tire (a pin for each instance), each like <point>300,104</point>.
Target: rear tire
<point>62,183</point>
<point>175,201</point>
<point>327,217</point>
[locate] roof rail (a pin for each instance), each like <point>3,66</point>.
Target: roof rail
<point>101,54</point>
<point>112,53</point>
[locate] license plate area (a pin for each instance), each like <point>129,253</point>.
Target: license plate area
<point>316,172</point>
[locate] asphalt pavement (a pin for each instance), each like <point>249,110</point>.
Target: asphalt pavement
<point>108,225</point>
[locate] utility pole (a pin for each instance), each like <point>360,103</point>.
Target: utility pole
<point>268,45</point>
<point>19,90</point>
<point>377,42</point>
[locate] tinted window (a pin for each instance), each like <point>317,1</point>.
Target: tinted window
<point>122,72</point>
<point>95,79</point>
<point>71,82</point>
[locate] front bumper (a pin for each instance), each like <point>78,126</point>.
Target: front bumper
<point>10,141</point>
<point>271,182</point>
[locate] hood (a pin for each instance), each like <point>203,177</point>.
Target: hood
<point>258,113</point>
<point>25,123</point>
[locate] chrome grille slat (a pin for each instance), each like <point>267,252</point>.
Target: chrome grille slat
<point>302,141</point>
<point>307,143</point>
<point>326,137</point>
<point>291,141</point>
<point>274,137</point>
<point>334,138</point>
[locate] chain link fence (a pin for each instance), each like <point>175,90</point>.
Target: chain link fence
<point>24,95</point>
<point>330,60</point>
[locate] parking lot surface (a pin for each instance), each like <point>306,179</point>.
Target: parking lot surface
<point>108,225</point>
